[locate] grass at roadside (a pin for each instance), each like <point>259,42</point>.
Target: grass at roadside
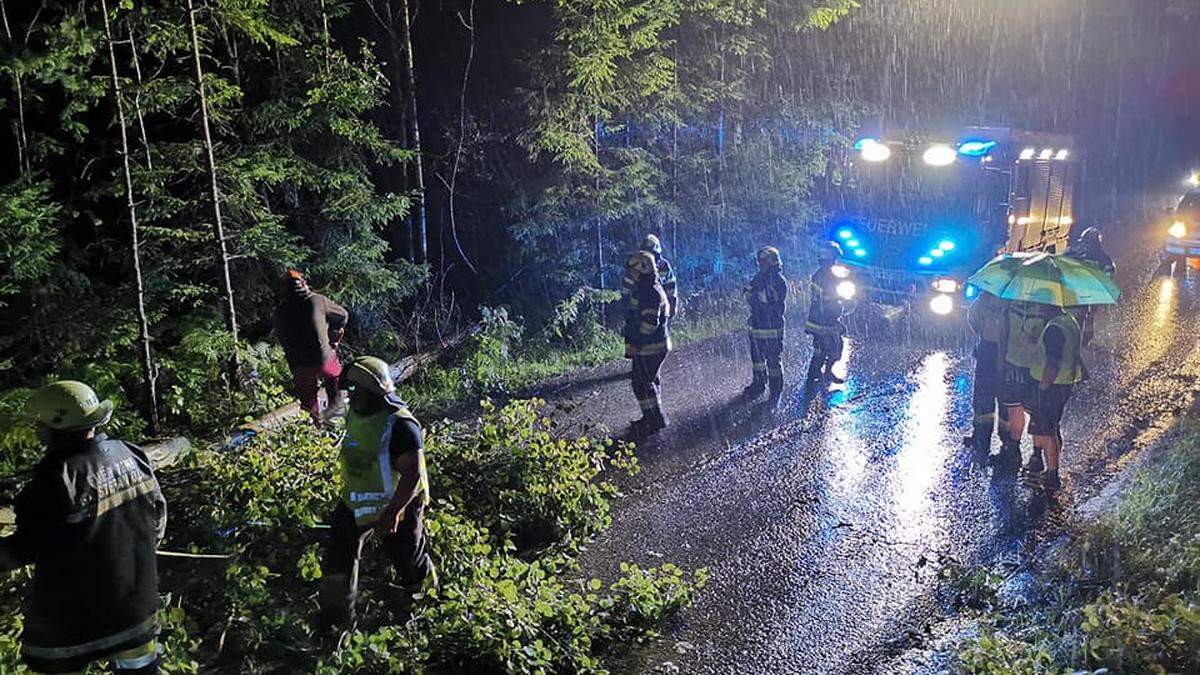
<point>1122,595</point>
<point>505,357</point>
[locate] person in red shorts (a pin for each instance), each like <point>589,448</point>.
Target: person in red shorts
<point>305,322</point>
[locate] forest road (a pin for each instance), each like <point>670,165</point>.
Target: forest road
<point>824,540</point>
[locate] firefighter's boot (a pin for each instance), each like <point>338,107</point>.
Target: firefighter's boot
<point>755,388</point>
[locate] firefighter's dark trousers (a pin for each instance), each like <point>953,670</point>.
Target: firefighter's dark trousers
<point>986,398</point>
<point>339,579</point>
<point>828,347</point>
<point>766,358</point>
<point>646,383</point>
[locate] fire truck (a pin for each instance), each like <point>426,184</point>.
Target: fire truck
<point>917,212</point>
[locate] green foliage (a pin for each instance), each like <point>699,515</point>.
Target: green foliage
<point>517,480</point>
<point>1124,593</point>
<point>502,606</point>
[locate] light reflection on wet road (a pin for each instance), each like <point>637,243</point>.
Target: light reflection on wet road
<point>824,537</point>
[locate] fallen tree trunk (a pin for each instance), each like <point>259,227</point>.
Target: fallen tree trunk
<point>281,417</point>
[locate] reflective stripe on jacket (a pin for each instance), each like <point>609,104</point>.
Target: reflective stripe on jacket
<point>368,480</point>
<point>646,331</point>
<point>825,309</point>
<point>1070,366</point>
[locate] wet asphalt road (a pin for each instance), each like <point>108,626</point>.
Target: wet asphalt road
<point>824,536</point>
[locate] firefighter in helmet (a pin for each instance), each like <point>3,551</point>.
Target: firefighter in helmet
<point>89,521</point>
<point>831,296</point>
<point>384,492</point>
<point>647,340</point>
<point>666,276</point>
<point>767,296</point>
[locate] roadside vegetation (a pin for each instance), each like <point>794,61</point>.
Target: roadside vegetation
<point>513,505</point>
<point>1122,596</point>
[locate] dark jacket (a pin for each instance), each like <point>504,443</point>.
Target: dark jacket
<point>825,309</point>
<point>767,295</point>
<point>666,279</point>
<point>646,331</point>
<point>89,521</point>
<point>303,322</point>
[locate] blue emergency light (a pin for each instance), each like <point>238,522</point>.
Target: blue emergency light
<point>946,245</point>
<point>970,291</point>
<point>937,253</point>
<point>975,148</point>
<point>845,234</point>
<point>859,253</point>
<point>925,260</point>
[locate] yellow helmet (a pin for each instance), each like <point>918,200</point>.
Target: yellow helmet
<point>372,374</point>
<point>68,406</point>
<point>769,255</point>
<point>642,264</point>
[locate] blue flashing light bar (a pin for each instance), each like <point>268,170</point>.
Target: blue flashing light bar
<point>864,142</point>
<point>970,291</point>
<point>925,260</point>
<point>845,234</point>
<point>859,253</point>
<point>937,253</point>
<point>975,148</point>
<point>946,245</point>
<point>852,243</point>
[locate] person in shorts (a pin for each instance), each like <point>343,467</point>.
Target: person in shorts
<point>1019,344</point>
<point>1056,370</point>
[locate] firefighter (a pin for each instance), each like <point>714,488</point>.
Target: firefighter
<point>384,492</point>
<point>987,316</point>
<point>89,521</point>
<point>1019,335</point>
<point>647,341</point>
<point>1057,368</point>
<point>666,276</point>
<point>767,297</point>
<point>825,312</point>
<point>1091,249</point>
<point>309,326</point>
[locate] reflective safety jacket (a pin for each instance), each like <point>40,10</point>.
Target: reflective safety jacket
<point>987,316</point>
<point>825,309</point>
<point>666,279</point>
<point>767,296</point>
<point>646,332</point>
<point>1026,321</point>
<point>89,521</point>
<point>1070,365</point>
<point>368,479</point>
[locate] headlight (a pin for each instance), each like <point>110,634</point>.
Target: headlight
<point>846,290</point>
<point>1178,229</point>
<point>945,286</point>
<point>840,271</point>
<point>940,155</point>
<point>941,304</point>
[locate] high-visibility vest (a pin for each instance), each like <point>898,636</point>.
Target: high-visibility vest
<point>1026,321</point>
<point>1070,367</point>
<point>368,480</point>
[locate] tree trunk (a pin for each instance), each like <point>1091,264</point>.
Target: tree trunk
<point>215,192</point>
<point>414,132</point>
<point>400,106</point>
<point>149,375</point>
<point>22,140</point>
<point>137,99</point>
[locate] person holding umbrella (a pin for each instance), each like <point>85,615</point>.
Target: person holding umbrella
<point>1044,339</point>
